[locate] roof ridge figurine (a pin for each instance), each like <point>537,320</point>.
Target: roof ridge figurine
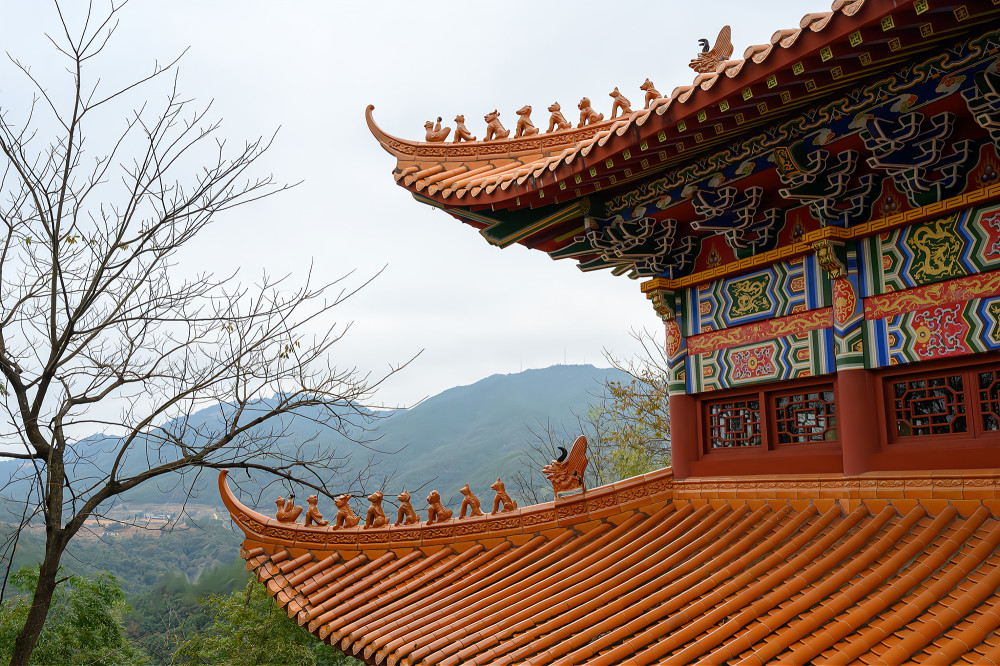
<point>502,498</point>
<point>557,121</point>
<point>587,114</point>
<point>620,104</point>
<point>407,516</point>
<point>436,512</point>
<point>709,60</point>
<point>375,516</point>
<point>470,502</point>
<point>313,516</point>
<point>345,515</point>
<point>461,131</point>
<point>287,511</point>
<point>494,129</point>
<point>652,93</point>
<point>566,473</point>
<point>435,133</point>
<point>524,125</point>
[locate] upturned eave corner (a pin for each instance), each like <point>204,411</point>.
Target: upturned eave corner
<point>388,142</point>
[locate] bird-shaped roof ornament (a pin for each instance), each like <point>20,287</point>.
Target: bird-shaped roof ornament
<point>709,60</point>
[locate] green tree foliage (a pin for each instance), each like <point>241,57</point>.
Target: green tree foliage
<point>141,561</point>
<point>627,429</point>
<point>250,629</point>
<point>634,415</point>
<point>84,624</point>
<point>172,611</point>
<point>634,418</point>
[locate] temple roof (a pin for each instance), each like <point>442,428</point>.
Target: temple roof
<point>727,155</point>
<point>881,568</point>
<point>480,167</point>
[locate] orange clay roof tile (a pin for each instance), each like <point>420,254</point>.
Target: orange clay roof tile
<point>421,164</point>
<point>757,52</point>
<point>753,579</point>
<point>848,7</point>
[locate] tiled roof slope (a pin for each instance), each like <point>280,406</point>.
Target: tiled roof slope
<point>495,172</point>
<point>900,568</point>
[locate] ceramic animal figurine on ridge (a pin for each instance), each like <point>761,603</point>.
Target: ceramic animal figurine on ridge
<point>494,129</point>
<point>469,502</point>
<point>651,92</point>
<point>502,497</point>
<point>313,516</point>
<point>462,133</point>
<point>587,114</point>
<point>407,516</point>
<point>709,60</point>
<point>376,516</point>
<point>436,512</point>
<point>557,121</point>
<point>434,132</point>
<point>524,125</point>
<point>566,473</point>
<point>345,516</point>
<point>287,511</point>
<point>620,104</point>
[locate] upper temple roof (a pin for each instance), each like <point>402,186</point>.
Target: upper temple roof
<point>749,145</point>
<point>488,170</point>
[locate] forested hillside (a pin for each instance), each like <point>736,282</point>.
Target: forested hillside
<point>170,552</point>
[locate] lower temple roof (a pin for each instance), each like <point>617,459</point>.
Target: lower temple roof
<point>878,568</point>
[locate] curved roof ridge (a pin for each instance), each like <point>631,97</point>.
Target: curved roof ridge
<point>469,528</point>
<point>513,146</point>
<point>848,7</point>
<point>559,154</point>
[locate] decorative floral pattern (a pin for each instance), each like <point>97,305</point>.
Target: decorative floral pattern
<point>753,363</point>
<point>940,332</point>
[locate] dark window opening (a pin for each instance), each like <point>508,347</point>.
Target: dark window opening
<point>805,417</point>
<point>734,424</point>
<point>929,406</point>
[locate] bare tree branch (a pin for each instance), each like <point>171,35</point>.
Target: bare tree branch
<point>98,334</point>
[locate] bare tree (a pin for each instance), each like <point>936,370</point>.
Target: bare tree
<point>98,334</point>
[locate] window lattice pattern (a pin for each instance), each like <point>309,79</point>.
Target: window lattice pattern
<point>805,417</point>
<point>989,399</point>
<point>734,424</point>
<point>929,406</point>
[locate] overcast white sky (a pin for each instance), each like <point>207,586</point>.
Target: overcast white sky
<point>311,67</point>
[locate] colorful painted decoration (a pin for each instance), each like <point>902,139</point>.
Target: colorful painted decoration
<point>781,289</point>
<point>791,357</point>
<point>940,249</point>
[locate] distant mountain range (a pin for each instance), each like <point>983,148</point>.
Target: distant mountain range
<point>467,434</point>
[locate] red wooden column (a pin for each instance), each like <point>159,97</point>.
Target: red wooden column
<point>684,436</point>
<point>857,417</point>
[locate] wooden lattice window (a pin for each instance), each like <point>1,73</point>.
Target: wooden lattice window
<point>929,405</point>
<point>961,401</point>
<point>805,416</point>
<point>734,423</point>
<point>989,399</point>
